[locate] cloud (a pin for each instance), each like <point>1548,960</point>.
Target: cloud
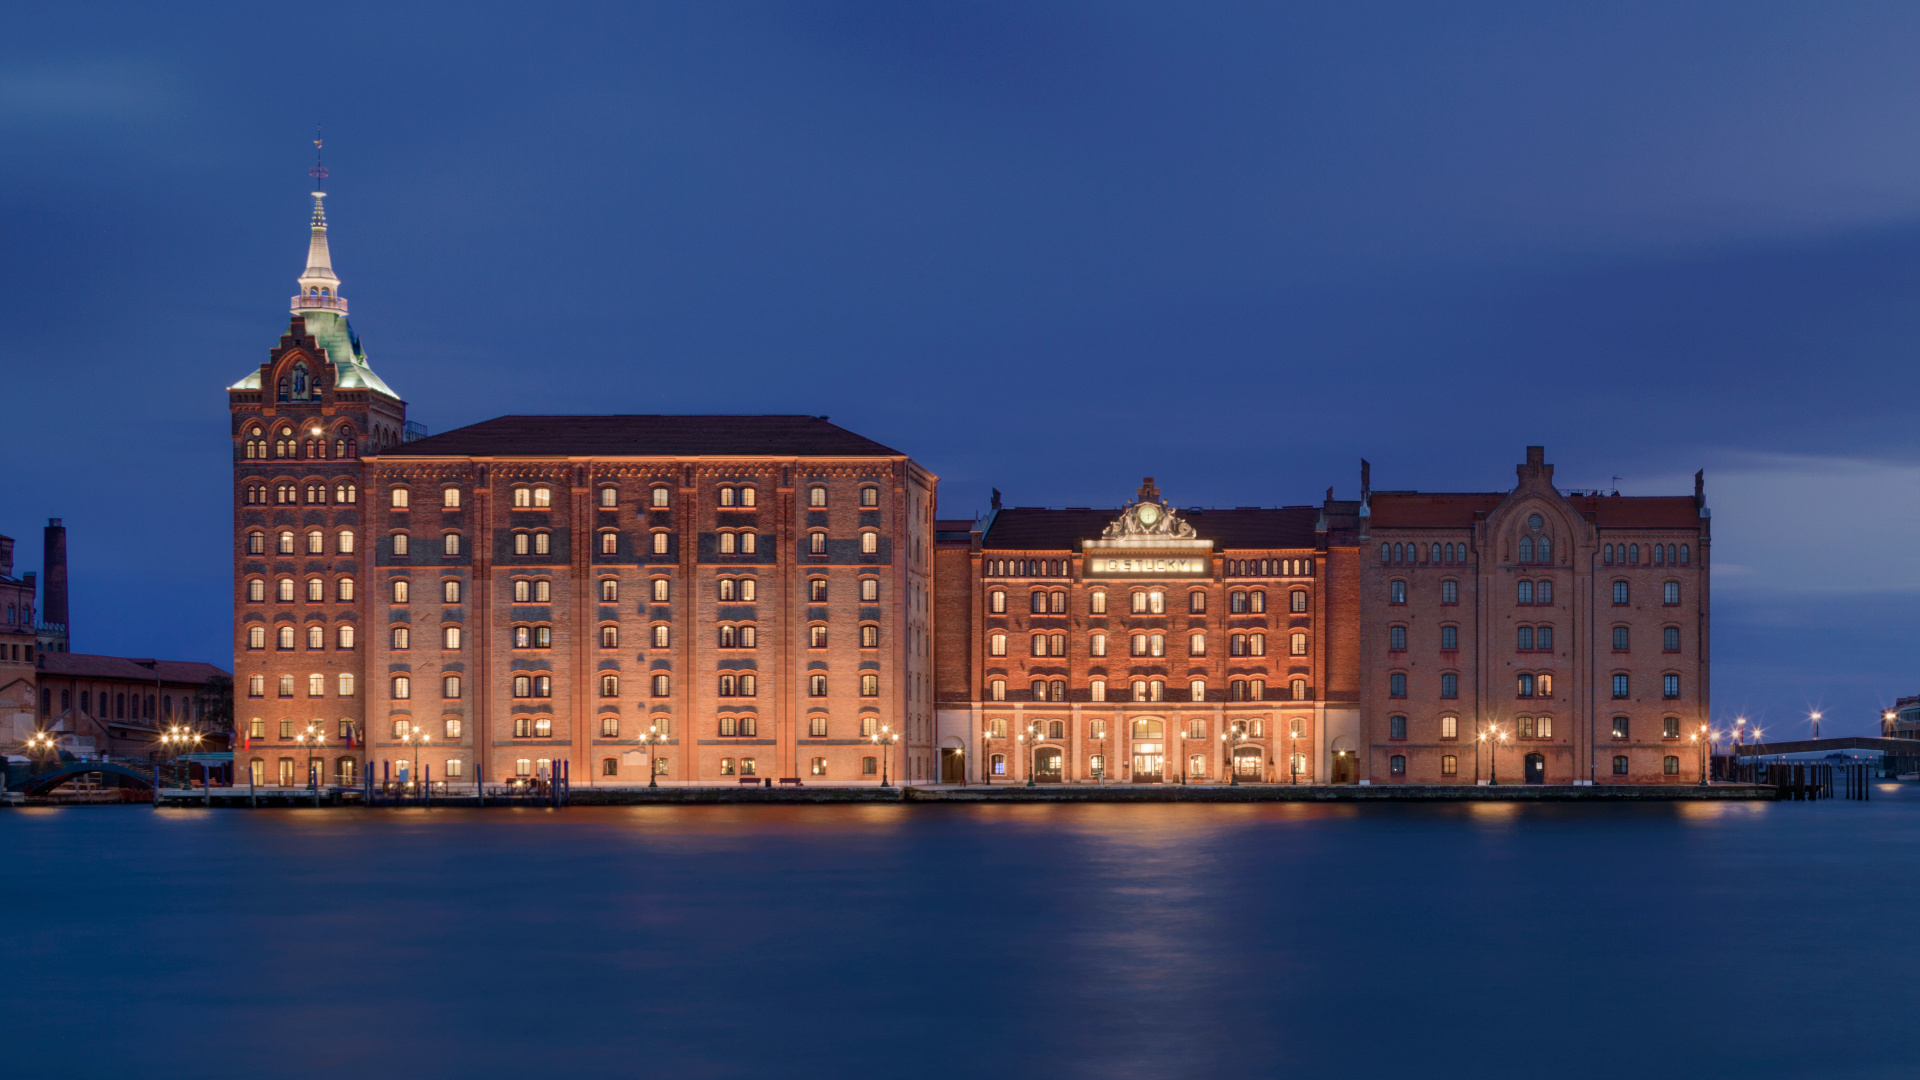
<point>1789,523</point>
<point>83,94</point>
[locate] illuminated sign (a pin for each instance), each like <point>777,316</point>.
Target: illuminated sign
<point>1104,565</point>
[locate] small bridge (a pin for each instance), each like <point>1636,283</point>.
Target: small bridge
<point>67,770</point>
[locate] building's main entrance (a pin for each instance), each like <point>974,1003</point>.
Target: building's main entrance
<point>1149,762</point>
<point>1346,767</point>
<point>1536,768</point>
<point>1046,765</point>
<point>1246,764</point>
<point>953,766</point>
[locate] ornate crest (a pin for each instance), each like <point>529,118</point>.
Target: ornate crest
<point>1148,518</point>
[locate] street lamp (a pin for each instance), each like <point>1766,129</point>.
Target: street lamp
<point>43,744</point>
<point>1031,737</point>
<point>1816,723</point>
<point>883,738</point>
<point>986,756</point>
<point>178,740</point>
<point>1230,740</point>
<point>414,737</point>
<point>650,740</point>
<point>1493,737</point>
<point>1293,759</point>
<point>312,738</point>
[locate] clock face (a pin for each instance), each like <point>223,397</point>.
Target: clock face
<point>1149,513</point>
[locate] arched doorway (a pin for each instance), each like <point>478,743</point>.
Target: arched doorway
<point>1536,768</point>
<point>1346,763</point>
<point>1047,765</point>
<point>1247,764</point>
<point>1149,750</point>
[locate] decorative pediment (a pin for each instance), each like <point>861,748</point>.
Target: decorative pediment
<point>1148,518</point>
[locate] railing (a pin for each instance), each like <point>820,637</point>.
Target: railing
<point>311,302</point>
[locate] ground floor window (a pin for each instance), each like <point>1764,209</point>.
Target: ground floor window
<point>1098,763</point>
<point>523,767</point>
<point>746,766</point>
<point>869,766</point>
<point>999,765</point>
<point>455,768</point>
<point>1397,764</point>
<point>1196,765</point>
<point>1449,765</point>
<point>1670,766</point>
<point>1620,765</point>
<point>609,767</point>
<point>819,766</point>
<point>256,772</point>
<point>286,772</point>
<point>726,766</point>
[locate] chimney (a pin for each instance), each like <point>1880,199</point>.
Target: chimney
<point>53,608</point>
<point>6,556</point>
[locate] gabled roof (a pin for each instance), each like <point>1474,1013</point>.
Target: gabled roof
<point>647,436</point>
<point>1033,528</point>
<point>91,666</point>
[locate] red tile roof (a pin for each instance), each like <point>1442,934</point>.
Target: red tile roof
<point>1455,510</point>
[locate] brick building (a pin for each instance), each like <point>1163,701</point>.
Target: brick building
<point>730,598</point>
<point>1141,644</point>
<point>1570,628</point>
<point>18,691</point>
<point>722,599</point>
<point>122,705</point>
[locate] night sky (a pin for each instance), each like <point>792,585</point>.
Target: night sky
<point>1048,248</point>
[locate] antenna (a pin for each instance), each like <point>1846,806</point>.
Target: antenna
<point>1616,480</point>
<point>319,170</point>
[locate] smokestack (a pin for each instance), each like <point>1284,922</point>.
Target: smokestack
<point>53,608</point>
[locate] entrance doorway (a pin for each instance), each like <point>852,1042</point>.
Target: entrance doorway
<point>1536,768</point>
<point>1246,764</point>
<point>1149,762</point>
<point>953,766</point>
<point>1046,765</point>
<point>1346,767</point>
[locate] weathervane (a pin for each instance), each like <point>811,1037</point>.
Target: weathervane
<point>319,170</point>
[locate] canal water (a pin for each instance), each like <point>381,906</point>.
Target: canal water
<point>1669,940</point>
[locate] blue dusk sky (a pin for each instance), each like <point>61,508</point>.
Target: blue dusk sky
<point>1044,247</point>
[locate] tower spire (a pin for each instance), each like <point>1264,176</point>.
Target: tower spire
<point>319,288</point>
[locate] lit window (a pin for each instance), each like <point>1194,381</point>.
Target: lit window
<point>997,644</point>
<point>1097,602</point>
<point>869,496</point>
<point>609,637</point>
<point>450,544</point>
<point>316,589</point>
<point>401,637</point>
<point>256,637</point>
<point>817,543</point>
<point>609,686</point>
<point>522,497</point>
<point>400,545</point>
<point>450,687</point>
<point>256,590</point>
<point>450,498</point>
<point>399,498</point>
<point>659,543</point>
<point>1297,644</point>
<point>817,686</point>
<point>660,590</point>
<point>402,687</point>
<point>543,496</point>
<point>660,497</point>
<point>869,686</point>
<point>869,543</point>
<point>609,497</point>
<point>817,495</point>
<point>450,591</point>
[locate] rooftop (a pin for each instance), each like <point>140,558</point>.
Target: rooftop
<point>1034,528</point>
<point>647,436</point>
<point>91,666</point>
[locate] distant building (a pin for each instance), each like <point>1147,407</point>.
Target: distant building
<point>1903,720</point>
<point>17,645</point>
<point>121,706</point>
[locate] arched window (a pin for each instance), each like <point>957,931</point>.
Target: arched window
<point>1526,549</point>
<point>817,495</point>
<point>869,496</point>
<point>399,498</point>
<point>1543,550</point>
<point>542,496</point>
<point>609,686</point>
<point>450,498</point>
<point>450,544</point>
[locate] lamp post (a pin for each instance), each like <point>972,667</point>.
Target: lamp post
<point>414,737</point>
<point>1493,737</point>
<point>1293,758</point>
<point>312,738</point>
<point>1230,740</point>
<point>650,740</point>
<point>178,740</point>
<point>1815,716</point>
<point>1701,746</point>
<point>883,738</point>
<point>42,744</point>
<point>1031,737</point>
<point>986,756</point>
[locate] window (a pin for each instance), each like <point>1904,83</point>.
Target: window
<point>1526,549</point>
<point>284,590</point>
<point>1669,686</point>
<point>402,687</point>
<point>1670,639</point>
<point>817,590</point>
<point>609,637</point>
<point>869,686</point>
<point>1258,599</point>
<point>1449,685</point>
<point>450,498</point>
<point>316,687</point>
<point>1686,554</point>
<point>1297,644</point>
<point>450,544</point>
<point>1197,602</point>
<point>1397,685</point>
<point>1620,687</point>
<point>1523,593</point>
<point>997,602</point>
<point>450,637</point>
<point>996,690</point>
<point>609,497</point>
<point>1397,638</point>
<point>1449,765</point>
<point>1619,764</point>
<point>609,686</point>
<point>1097,691</point>
<point>1097,602</point>
<point>450,687</point>
<point>726,543</point>
<point>660,543</point>
<point>283,543</point>
<point>1670,593</point>
<point>816,543</point>
<point>1397,765</point>
<point>1449,638</point>
<point>400,636</point>
<point>286,637</point>
<point>256,637</point>
<point>659,497</point>
<point>662,686</point>
<point>997,644</point>
<point>1523,638</point>
<point>1038,603</point>
<point>1670,765</point>
<point>522,497</point>
<point>817,495</point>
<point>1297,601</point>
<point>609,543</point>
<point>257,686</point>
<point>1619,593</point>
<point>869,496</point>
<point>316,589</point>
<point>1196,644</point>
<point>1670,728</point>
<point>660,590</point>
<point>817,637</point>
<point>316,543</point>
<point>1449,727</point>
<point>869,543</point>
<point>1396,592</point>
<point>1620,727</point>
<point>1396,727</point>
<point>399,497</point>
<point>869,636</point>
<point>1524,686</point>
<point>1197,690</point>
<point>256,590</point>
<point>450,591</point>
<point>817,686</point>
<point>400,545</point>
<point>1449,592</point>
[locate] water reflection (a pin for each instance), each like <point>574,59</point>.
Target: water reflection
<point>1037,940</point>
